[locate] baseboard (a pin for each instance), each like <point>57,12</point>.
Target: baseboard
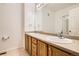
<point>14,48</point>
<point>5,51</point>
<point>11,49</point>
<point>2,52</point>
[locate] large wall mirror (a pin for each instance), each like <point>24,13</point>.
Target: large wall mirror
<point>74,21</point>
<point>70,22</point>
<point>57,17</point>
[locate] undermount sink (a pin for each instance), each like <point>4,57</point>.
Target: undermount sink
<point>59,40</point>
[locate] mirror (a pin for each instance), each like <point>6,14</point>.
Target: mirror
<point>57,17</point>
<point>48,21</point>
<point>65,24</point>
<point>70,22</point>
<point>74,21</point>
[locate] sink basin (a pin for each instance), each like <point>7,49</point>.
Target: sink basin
<point>58,40</point>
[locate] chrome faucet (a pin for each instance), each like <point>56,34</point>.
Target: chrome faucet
<point>60,35</point>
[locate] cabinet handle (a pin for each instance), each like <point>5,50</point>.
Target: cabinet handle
<point>49,48</point>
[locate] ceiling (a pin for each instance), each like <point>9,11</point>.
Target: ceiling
<point>58,6</point>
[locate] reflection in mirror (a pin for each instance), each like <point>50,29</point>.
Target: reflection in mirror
<point>74,21</point>
<point>70,22</point>
<point>65,24</point>
<point>57,17</point>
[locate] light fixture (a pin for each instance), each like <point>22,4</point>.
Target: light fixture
<point>40,5</point>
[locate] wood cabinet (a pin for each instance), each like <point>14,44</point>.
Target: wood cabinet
<point>26,42</point>
<point>34,47</point>
<point>42,48</point>
<point>52,51</point>
<point>30,44</point>
<point>58,52</point>
<point>34,41</point>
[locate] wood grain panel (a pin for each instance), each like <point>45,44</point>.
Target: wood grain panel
<point>34,49</point>
<point>57,52</point>
<point>26,42</point>
<point>30,45</point>
<point>42,49</point>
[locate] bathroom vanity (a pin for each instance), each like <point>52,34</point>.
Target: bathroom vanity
<point>60,19</point>
<point>39,45</point>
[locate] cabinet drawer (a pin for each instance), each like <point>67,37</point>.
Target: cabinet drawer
<point>34,40</point>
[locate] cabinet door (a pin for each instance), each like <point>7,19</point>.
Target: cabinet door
<point>50,50</point>
<point>26,42</point>
<point>30,45</point>
<point>34,49</point>
<point>57,52</point>
<point>42,49</point>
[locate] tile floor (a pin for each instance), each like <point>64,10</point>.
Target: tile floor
<point>16,52</point>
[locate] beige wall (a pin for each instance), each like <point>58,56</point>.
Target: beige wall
<point>11,24</point>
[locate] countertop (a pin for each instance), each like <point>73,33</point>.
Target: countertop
<point>70,47</point>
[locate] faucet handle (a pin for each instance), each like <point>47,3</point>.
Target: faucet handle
<point>61,32</point>
<point>69,30</point>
